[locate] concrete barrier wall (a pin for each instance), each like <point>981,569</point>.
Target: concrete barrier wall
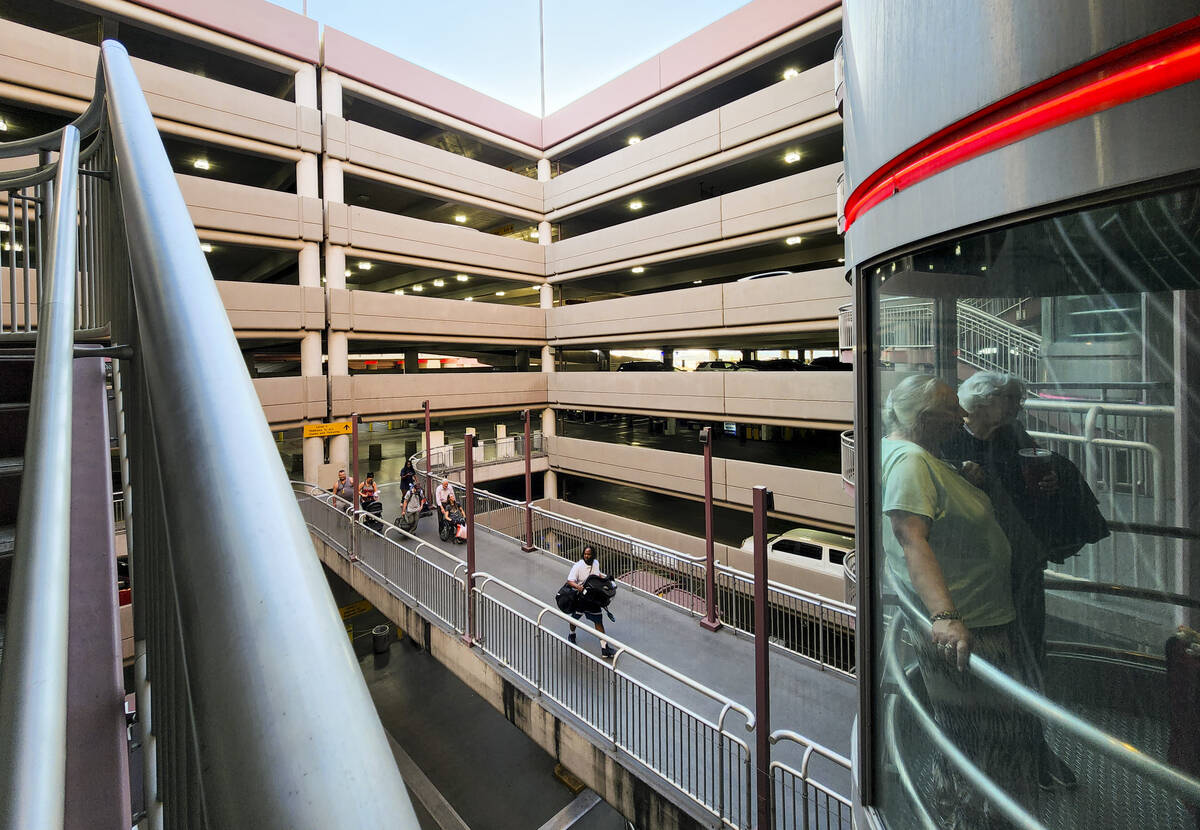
<point>280,310</point>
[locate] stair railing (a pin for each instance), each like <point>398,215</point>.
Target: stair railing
<point>254,711</point>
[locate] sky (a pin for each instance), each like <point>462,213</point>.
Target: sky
<point>493,46</point>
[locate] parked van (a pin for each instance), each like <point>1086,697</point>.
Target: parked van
<point>812,560</point>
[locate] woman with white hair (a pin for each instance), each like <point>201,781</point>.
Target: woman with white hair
<point>1038,515</point>
<point>942,545</point>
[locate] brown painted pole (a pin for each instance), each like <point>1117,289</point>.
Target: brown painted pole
<point>709,620</point>
<point>354,456</point>
<point>470,508</point>
<point>428,458</point>
<point>762,665</point>
<point>528,546</point>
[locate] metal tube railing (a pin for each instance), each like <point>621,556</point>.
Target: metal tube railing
<point>817,804</point>
<point>33,675</point>
<point>259,634</point>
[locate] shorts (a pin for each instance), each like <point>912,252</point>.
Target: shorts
<point>593,618</point>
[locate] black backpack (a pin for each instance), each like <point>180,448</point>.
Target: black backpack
<point>565,599</point>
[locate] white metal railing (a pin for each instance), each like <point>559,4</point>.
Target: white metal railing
<point>846,329</point>
<point>677,728</point>
<point>983,339</point>
<point>850,574</point>
<point>452,457</point>
<point>815,628</point>
<point>848,458</point>
<point>801,800</point>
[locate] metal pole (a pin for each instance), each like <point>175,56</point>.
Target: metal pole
<point>528,546</point>
<point>762,667</point>
<point>428,457</point>
<point>354,456</point>
<point>709,620</point>
<point>469,444</point>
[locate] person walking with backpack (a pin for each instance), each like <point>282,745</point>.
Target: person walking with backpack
<point>577,578</point>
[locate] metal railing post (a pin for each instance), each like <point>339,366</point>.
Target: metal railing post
<point>710,620</point>
<point>528,546</point>
<point>428,456</point>
<point>469,499</point>
<point>762,658</point>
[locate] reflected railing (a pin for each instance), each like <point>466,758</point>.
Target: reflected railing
<point>1154,778</point>
<point>815,628</point>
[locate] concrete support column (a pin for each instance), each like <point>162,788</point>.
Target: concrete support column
<point>546,300</point>
<point>543,170</point>
<point>306,86</point>
<point>544,233</point>
<point>339,363</point>
<point>668,353</point>
<point>334,180</point>
<point>306,176</point>
<point>331,93</point>
<point>310,355</point>
<point>412,361</point>
<point>550,481</point>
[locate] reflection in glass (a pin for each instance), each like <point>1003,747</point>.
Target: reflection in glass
<point>1034,457</point>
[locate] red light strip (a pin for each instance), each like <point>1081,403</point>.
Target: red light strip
<point>1151,65</point>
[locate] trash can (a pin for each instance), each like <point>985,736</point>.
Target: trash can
<point>381,638</point>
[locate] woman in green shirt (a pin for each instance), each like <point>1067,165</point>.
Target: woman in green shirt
<point>943,547</point>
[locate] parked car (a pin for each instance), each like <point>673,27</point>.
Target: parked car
<point>830,364</point>
<point>717,366</point>
<point>779,365</point>
<point>644,366</point>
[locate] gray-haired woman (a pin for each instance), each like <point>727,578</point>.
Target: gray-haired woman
<point>942,544</point>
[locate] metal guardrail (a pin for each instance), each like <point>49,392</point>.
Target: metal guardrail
<point>815,628</point>
<point>1116,750</point>
<point>677,728</point>
<point>238,653</point>
<point>801,801</point>
<point>848,457</point>
<point>452,457</point>
<point>33,675</point>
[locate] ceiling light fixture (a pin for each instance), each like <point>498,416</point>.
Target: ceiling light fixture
<point>418,288</point>
<point>794,240</point>
<point>461,277</point>
<point>636,204</point>
<point>398,291</point>
<point>790,73</point>
<point>347,272</point>
<point>364,266</point>
<point>534,235</point>
<point>469,299</point>
<point>4,227</point>
<point>499,293</point>
<point>697,282</point>
<point>3,125</point>
<point>638,269</point>
<point>206,247</point>
<point>792,157</point>
<point>460,218</point>
<point>841,259</point>
<point>439,283</point>
<point>634,139</point>
<point>201,164</point>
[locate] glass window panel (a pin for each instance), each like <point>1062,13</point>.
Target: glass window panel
<point>1033,451</point>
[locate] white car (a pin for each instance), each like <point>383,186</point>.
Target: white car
<point>812,560</point>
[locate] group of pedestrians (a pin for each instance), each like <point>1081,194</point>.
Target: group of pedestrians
<point>975,512</point>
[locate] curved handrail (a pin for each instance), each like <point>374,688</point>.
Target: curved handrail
<point>1115,749</point>
<point>33,675</point>
<point>1063,582</point>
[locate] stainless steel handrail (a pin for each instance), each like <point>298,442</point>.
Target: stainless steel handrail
<point>241,654</point>
<point>279,691</point>
<point>1115,749</point>
<point>33,675</point>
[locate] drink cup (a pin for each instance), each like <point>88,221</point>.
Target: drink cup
<point>1035,465</point>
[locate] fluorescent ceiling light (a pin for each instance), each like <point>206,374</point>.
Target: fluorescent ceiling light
<point>534,235</point>
<point>347,272</point>
<point>697,282</point>
<point>460,218</point>
<point>792,157</point>
<point>398,291</point>
<point>794,240</point>
<point>499,293</point>
<point>439,283</point>
<point>634,139</point>
<point>469,299</point>
<point>364,266</point>
<point>636,204</point>
<point>638,269</point>
<point>201,164</point>
<point>418,288</point>
<point>790,73</point>
<point>206,247</point>
<point>461,277</point>
<point>3,125</point>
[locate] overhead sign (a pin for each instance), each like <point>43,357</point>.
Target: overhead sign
<point>326,430</point>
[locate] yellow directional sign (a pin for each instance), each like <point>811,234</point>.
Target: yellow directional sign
<point>355,608</point>
<point>326,430</point>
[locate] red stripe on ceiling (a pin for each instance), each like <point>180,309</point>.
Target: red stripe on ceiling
<point>1152,64</point>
